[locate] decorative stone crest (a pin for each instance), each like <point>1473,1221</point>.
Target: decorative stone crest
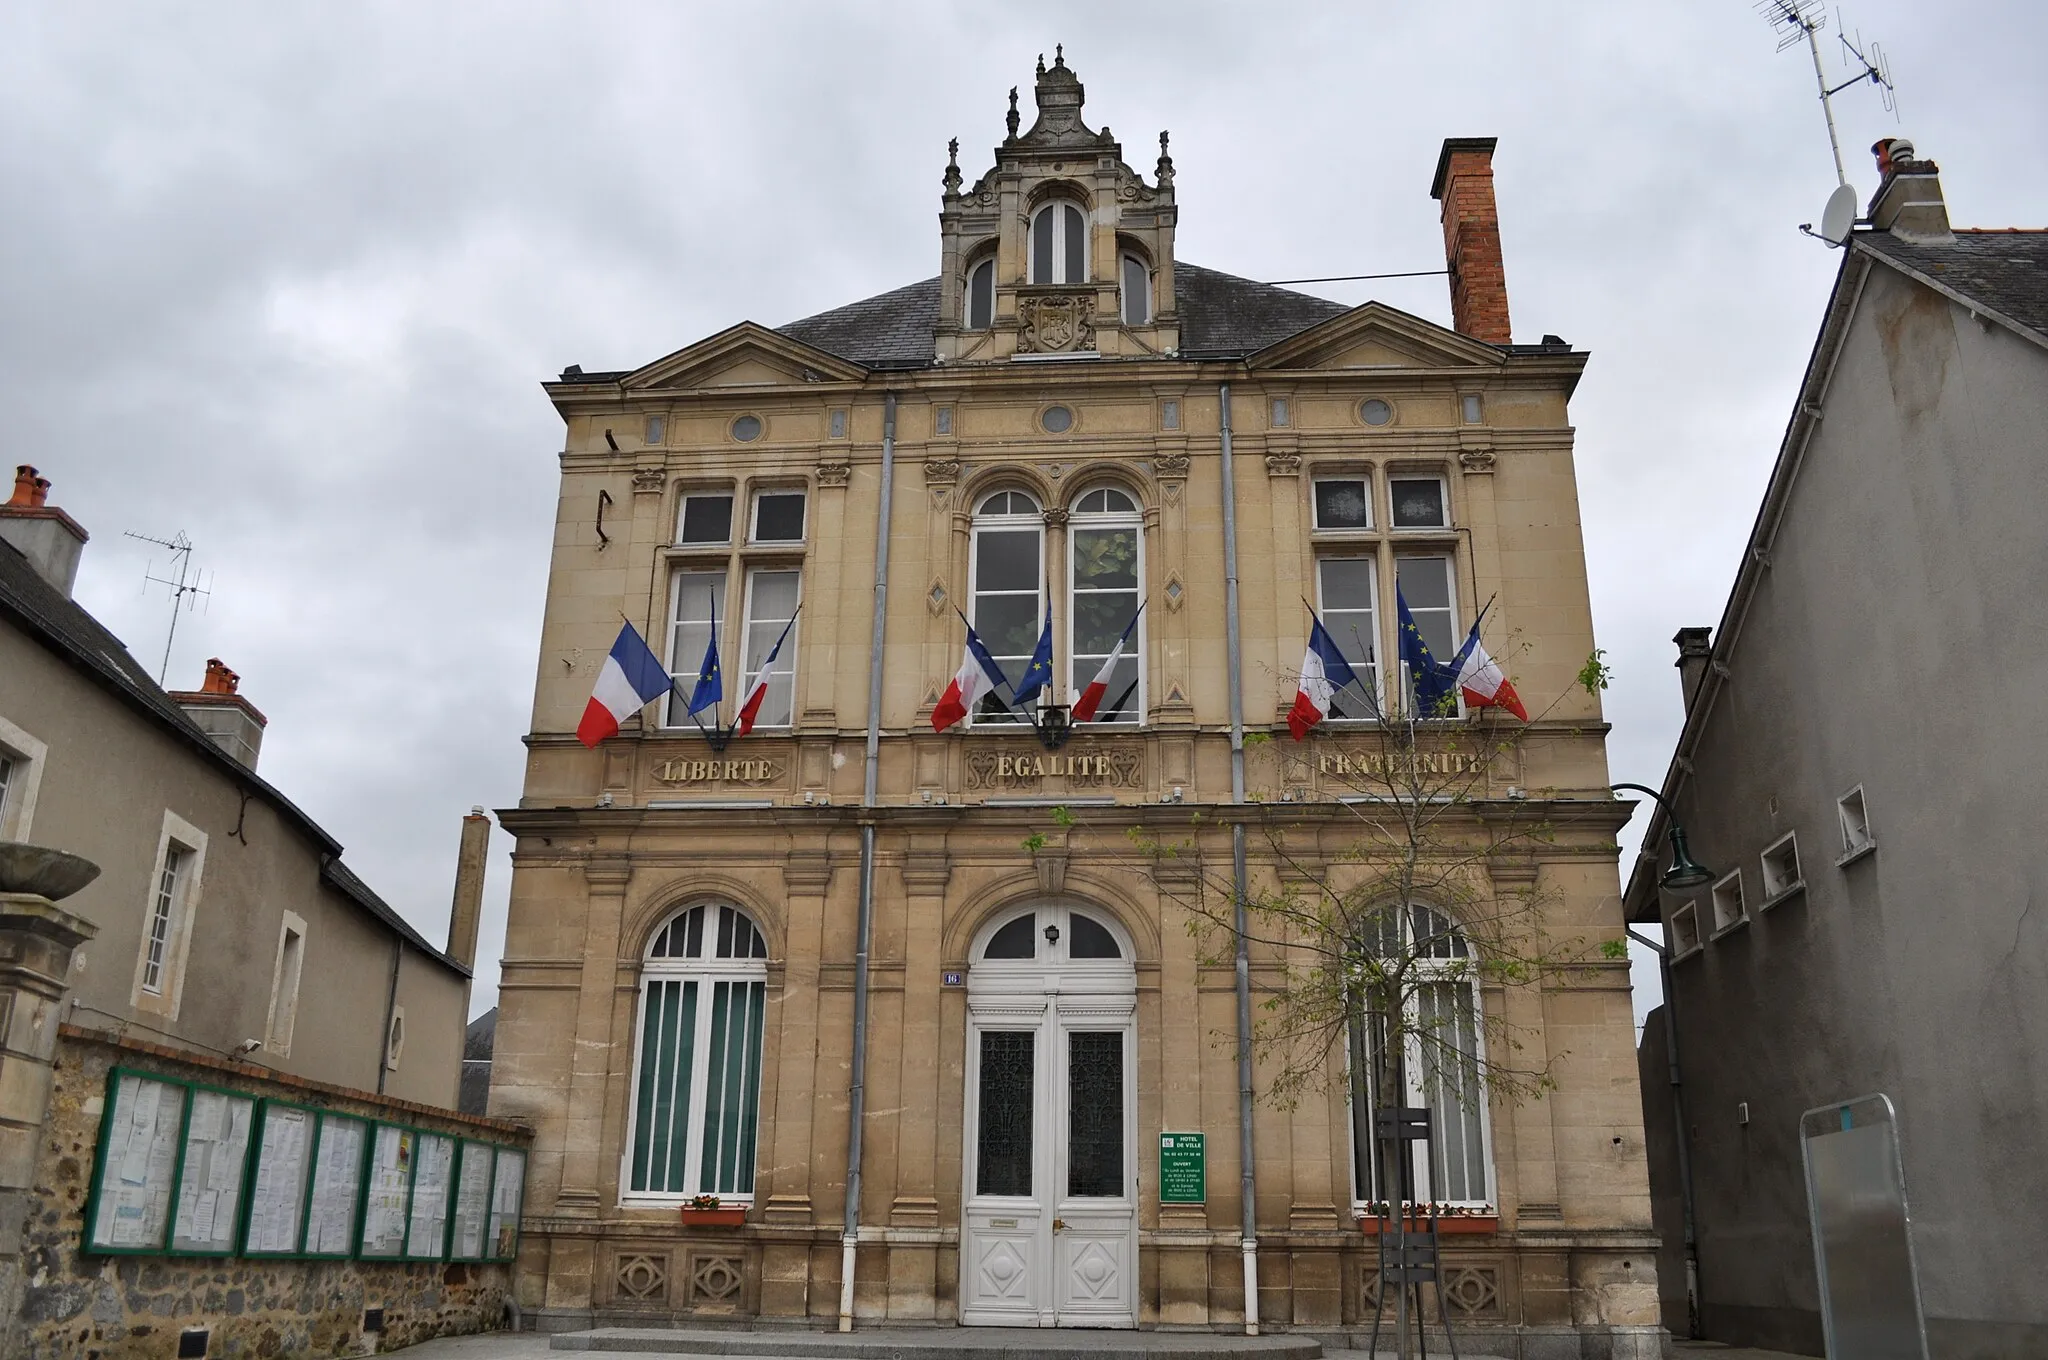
<point>1055,516</point>
<point>941,471</point>
<point>1171,465</point>
<point>1055,323</point>
<point>834,474</point>
<point>648,480</point>
<point>1283,465</point>
<point>1476,460</point>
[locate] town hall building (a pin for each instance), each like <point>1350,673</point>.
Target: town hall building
<point>955,969</point>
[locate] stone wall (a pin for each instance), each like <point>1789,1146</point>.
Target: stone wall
<point>82,1307</point>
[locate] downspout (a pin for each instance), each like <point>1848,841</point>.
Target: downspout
<point>856,1097</point>
<point>1248,1231</point>
<point>390,1009</point>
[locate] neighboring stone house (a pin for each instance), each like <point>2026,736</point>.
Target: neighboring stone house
<point>1067,418</point>
<point>224,943</point>
<point>1858,767</point>
<point>477,1042</point>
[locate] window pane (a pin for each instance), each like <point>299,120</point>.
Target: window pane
<point>1450,1087</point>
<point>706,519</point>
<point>981,296</point>
<point>1342,505</point>
<point>1041,247</point>
<point>1006,559</point>
<point>732,1078</point>
<point>1137,291</point>
<point>1008,1106</point>
<point>1077,246</point>
<point>771,604</point>
<point>1017,940</point>
<point>1425,583</point>
<point>1350,613</point>
<point>1105,559</point>
<point>1090,939</point>
<point>779,517</point>
<point>1009,626</point>
<point>1100,619</point>
<point>1095,1113</point>
<point>667,1038</point>
<point>1418,502</point>
<point>695,594</point>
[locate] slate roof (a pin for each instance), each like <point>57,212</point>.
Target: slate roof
<point>1221,316</point>
<point>2005,271</point>
<point>66,628</point>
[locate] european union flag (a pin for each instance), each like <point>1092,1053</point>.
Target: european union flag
<point>1434,686</point>
<point>710,683</point>
<point>1038,674</point>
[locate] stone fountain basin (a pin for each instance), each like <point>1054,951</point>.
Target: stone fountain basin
<point>55,874</point>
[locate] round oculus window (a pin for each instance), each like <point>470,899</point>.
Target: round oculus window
<point>747,429</point>
<point>1057,419</point>
<point>1375,412</point>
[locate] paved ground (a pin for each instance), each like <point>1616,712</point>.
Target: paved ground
<point>529,1346</point>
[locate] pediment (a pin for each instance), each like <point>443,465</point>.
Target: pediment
<point>746,355</point>
<point>1378,336</point>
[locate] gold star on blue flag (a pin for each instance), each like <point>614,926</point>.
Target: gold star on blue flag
<point>710,687</point>
<point>1038,674</point>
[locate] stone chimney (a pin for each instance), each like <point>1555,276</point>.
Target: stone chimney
<point>224,715</point>
<point>472,854</point>
<point>1695,650</point>
<point>1908,203</point>
<point>1479,283</point>
<point>50,539</point>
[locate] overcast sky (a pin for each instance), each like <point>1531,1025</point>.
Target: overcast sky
<point>287,278</point>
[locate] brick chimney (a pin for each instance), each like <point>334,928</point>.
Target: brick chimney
<point>472,855</point>
<point>50,539</point>
<point>1908,202</point>
<point>1479,283</point>
<point>1695,650</point>
<point>223,714</point>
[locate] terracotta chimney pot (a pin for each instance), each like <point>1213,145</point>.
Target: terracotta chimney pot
<point>25,480</point>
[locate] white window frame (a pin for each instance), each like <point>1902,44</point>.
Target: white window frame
<point>24,758</point>
<point>1375,669</point>
<point>675,703</point>
<point>1853,812</point>
<point>168,995</point>
<point>394,1040</point>
<point>1124,262</point>
<point>1061,225</point>
<point>1776,886</point>
<point>285,976</point>
<point>706,494</point>
<point>1443,487</point>
<point>754,538</point>
<point>1005,522</point>
<point>1685,937</point>
<point>1315,504</point>
<point>1133,520</point>
<point>1450,560</point>
<point>984,265</point>
<point>1444,973</point>
<point>785,660</point>
<point>1729,889</point>
<point>706,972</point>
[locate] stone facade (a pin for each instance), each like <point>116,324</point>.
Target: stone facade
<point>614,841</point>
<point>76,1306</point>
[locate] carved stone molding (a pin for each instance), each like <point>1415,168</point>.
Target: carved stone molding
<point>642,1279</point>
<point>1473,1291</point>
<point>1283,464</point>
<point>1476,460</point>
<point>1056,323</point>
<point>1171,465</point>
<point>927,871</point>
<point>941,471</point>
<point>716,1280</point>
<point>1055,516</point>
<point>834,474</point>
<point>807,871</point>
<point>648,480</point>
<point>607,873</point>
<point>1052,870</point>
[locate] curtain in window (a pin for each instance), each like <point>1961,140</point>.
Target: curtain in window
<point>732,1083</point>
<point>1450,1088</point>
<point>667,1048</point>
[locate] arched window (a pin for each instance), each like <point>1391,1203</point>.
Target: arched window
<point>1052,935</point>
<point>1134,278</point>
<point>1107,542</point>
<point>1007,585</point>
<point>981,296</point>
<point>697,1077</point>
<point>1440,1063</point>
<point>1059,244</point>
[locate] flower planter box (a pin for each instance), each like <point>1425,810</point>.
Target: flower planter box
<point>714,1218</point>
<point>1475,1224</point>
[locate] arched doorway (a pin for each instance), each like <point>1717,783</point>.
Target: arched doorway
<point>1049,1237</point>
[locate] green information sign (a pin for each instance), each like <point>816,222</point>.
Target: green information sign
<point>1183,1171</point>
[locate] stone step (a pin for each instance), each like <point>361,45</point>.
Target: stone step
<point>948,1343</point>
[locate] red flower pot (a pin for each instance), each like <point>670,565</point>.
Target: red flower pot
<point>1485,1226</point>
<point>713,1218</point>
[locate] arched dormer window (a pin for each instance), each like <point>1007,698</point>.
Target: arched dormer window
<point>1134,284</point>
<point>1059,244</point>
<point>980,304</point>
<point>1441,1060</point>
<point>697,1076</point>
<point>1106,539</point>
<point>1006,583</point>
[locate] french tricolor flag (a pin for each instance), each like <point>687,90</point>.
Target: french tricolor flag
<point>1091,697</point>
<point>1480,677</point>
<point>1324,671</point>
<point>978,674</point>
<point>751,709</point>
<point>632,677</point>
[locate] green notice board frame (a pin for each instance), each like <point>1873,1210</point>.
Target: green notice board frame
<point>353,1201</point>
<point>267,1111</point>
<point>90,1244</point>
<point>1183,1168</point>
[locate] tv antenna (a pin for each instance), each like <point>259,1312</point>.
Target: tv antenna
<point>1799,21</point>
<point>186,591</point>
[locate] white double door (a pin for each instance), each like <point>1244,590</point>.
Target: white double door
<point>1050,1237</point>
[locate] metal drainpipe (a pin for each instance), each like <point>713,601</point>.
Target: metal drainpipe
<point>856,1100</point>
<point>1692,1250</point>
<point>390,1009</point>
<point>1248,1232</point>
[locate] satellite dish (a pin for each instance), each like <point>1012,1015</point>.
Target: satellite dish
<point>1839,215</point>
